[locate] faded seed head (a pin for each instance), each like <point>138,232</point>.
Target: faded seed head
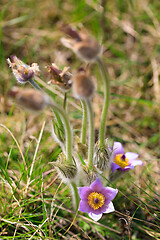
<point>83,86</point>
<point>61,78</point>
<point>30,99</point>
<point>86,47</point>
<point>22,71</point>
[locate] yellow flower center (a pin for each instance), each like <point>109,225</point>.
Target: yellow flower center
<point>121,160</point>
<point>96,200</point>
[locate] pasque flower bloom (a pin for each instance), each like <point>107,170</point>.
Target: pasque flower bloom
<point>123,161</point>
<point>96,199</point>
<point>21,70</point>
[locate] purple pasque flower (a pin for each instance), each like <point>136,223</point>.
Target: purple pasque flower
<point>123,161</point>
<point>96,199</point>
<point>22,71</point>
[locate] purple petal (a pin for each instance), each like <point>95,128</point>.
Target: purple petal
<point>136,162</point>
<point>126,168</point>
<point>95,217</point>
<point>109,194</point>
<point>114,166</point>
<point>84,192</point>
<point>84,206</point>
<point>131,155</point>
<point>118,148</point>
<point>110,208</point>
<point>96,185</point>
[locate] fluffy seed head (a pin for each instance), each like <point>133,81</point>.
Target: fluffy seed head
<point>83,86</point>
<point>30,99</point>
<point>86,47</point>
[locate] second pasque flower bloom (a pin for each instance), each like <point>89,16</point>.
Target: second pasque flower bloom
<point>123,161</point>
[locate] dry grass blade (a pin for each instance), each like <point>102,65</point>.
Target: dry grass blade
<point>16,144</point>
<point>34,158</point>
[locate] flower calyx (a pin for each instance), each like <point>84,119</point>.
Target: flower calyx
<point>102,157</point>
<point>67,171</point>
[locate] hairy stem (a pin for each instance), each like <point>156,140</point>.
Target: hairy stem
<point>84,122</point>
<point>68,132</point>
<point>105,77</point>
<point>65,101</point>
<point>75,196</point>
<point>36,86</point>
<point>91,134</point>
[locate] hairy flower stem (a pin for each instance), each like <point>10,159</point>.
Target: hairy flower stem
<point>68,132</point>
<point>65,101</point>
<point>105,77</point>
<point>84,122</point>
<point>75,196</point>
<point>36,86</point>
<point>91,134</point>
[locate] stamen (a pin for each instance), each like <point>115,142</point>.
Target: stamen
<point>121,160</point>
<point>96,200</point>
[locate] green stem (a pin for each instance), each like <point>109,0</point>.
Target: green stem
<point>36,86</point>
<point>76,195</point>
<point>84,122</point>
<point>91,134</point>
<point>65,101</point>
<point>105,77</point>
<point>68,132</point>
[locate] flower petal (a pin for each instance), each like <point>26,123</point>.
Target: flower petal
<point>109,193</point>
<point>136,162</point>
<point>131,155</point>
<point>118,148</point>
<point>84,206</point>
<point>84,192</point>
<point>110,208</point>
<point>114,166</point>
<point>96,185</point>
<point>95,217</point>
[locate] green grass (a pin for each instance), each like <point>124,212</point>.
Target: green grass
<point>30,29</point>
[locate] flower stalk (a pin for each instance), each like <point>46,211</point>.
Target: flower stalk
<point>105,77</point>
<point>36,86</point>
<point>76,198</point>
<point>84,122</point>
<point>91,134</point>
<point>68,132</point>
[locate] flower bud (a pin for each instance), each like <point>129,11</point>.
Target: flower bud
<point>102,157</point>
<point>22,71</point>
<point>89,175</point>
<point>57,133</point>
<point>81,149</point>
<point>83,86</point>
<point>61,78</point>
<point>86,47</point>
<point>65,170</point>
<point>30,99</point>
